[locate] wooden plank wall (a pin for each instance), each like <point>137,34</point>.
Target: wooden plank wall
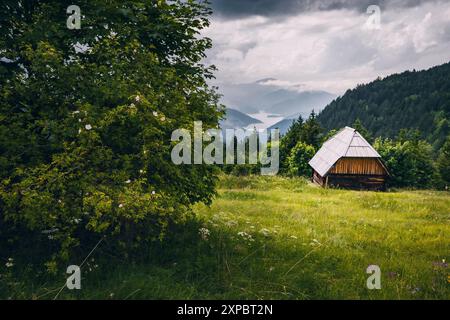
<point>317,178</point>
<point>362,182</point>
<point>360,166</point>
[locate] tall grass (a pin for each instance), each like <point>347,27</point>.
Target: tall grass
<point>280,238</point>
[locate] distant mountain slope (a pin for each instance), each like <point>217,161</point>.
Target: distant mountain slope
<point>265,96</point>
<point>413,99</point>
<point>283,125</point>
<point>236,119</point>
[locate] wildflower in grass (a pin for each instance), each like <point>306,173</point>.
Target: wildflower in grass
<point>121,205</point>
<point>153,192</point>
<point>231,223</point>
<point>294,237</point>
<point>271,269</point>
<point>245,236</point>
<point>265,232</point>
<point>128,181</point>
<point>204,233</point>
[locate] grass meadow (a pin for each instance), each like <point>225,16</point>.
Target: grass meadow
<point>277,238</point>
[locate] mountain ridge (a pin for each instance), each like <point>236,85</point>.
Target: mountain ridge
<point>408,100</point>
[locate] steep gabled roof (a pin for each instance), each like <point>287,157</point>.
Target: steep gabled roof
<point>346,143</point>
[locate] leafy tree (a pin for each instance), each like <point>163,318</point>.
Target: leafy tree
<point>308,132</point>
<point>298,160</point>
<point>86,118</point>
<point>409,163</point>
<point>289,141</point>
<point>443,162</point>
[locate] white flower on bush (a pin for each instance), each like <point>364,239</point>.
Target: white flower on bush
<point>137,99</point>
<point>121,205</point>
<point>231,223</point>
<point>88,127</point>
<point>245,236</point>
<point>128,181</point>
<point>204,233</point>
<point>10,263</point>
<point>155,113</point>
<point>265,232</point>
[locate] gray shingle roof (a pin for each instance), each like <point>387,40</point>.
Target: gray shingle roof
<point>346,143</point>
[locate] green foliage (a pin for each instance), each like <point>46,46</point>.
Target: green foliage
<point>308,132</point>
<point>288,141</point>
<point>443,162</point>
<point>311,131</point>
<point>409,162</point>
<point>358,126</point>
<point>85,133</point>
<point>298,160</point>
<point>277,238</point>
<point>410,100</point>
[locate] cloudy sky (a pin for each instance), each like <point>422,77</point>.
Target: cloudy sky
<point>325,44</point>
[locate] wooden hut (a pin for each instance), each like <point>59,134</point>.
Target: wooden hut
<point>347,160</point>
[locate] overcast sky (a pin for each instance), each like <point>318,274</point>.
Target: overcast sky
<point>325,44</point>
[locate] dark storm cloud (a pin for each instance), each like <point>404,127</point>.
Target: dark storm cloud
<point>239,8</point>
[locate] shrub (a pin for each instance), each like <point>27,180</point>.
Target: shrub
<point>85,134</point>
<point>298,159</point>
<point>409,162</point>
<point>443,162</point>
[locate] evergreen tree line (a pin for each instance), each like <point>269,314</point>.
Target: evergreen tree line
<point>411,161</point>
<point>410,100</point>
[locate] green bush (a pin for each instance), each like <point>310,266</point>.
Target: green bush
<point>409,162</point>
<point>298,160</point>
<point>85,134</point>
<point>443,163</point>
